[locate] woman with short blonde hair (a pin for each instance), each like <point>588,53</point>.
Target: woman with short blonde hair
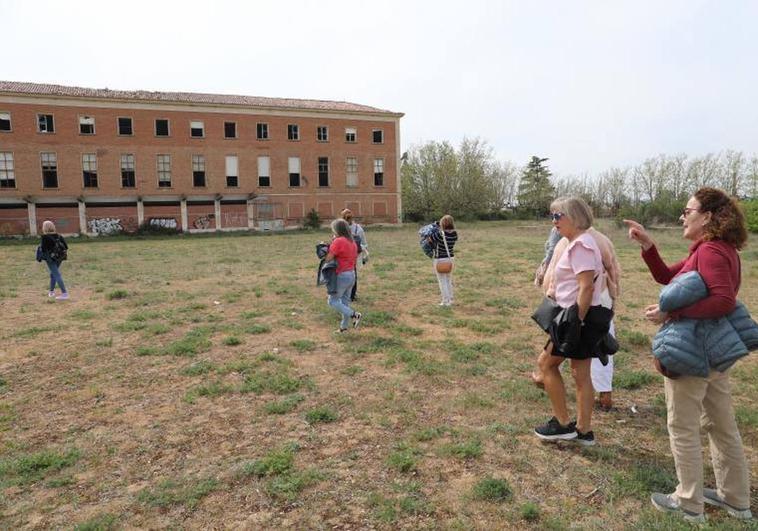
<point>52,250</point>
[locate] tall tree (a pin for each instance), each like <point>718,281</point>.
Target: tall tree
<point>535,190</point>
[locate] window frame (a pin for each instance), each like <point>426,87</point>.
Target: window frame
<point>298,175</point>
<point>349,173</point>
<point>10,173</point>
<point>293,132</point>
<point>258,164</point>
<point>164,171</point>
<point>46,131</point>
<point>318,133</point>
<point>261,127</point>
<point>89,174</point>
<point>81,133</point>
<point>202,128</point>
<point>198,160</point>
<point>327,173</point>
<point>381,173</point>
<point>133,170</point>
<point>168,127</point>
<point>373,136</point>
<point>10,122</point>
<point>351,131</point>
<point>236,135</point>
<point>226,170</point>
<point>42,169</point>
<point>118,125</point>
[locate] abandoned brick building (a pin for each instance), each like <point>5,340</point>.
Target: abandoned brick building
<point>100,160</point>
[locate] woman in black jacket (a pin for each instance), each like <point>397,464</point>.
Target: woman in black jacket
<point>52,243</point>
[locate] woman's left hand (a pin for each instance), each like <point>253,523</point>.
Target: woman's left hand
<point>655,315</point>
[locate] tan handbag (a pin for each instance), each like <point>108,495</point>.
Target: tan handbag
<point>444,267</point>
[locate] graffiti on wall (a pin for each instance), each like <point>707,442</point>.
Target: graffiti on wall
<point>203,222</point>
<point>105,226</point>
<point>165,223</point>
<point>235,219</point>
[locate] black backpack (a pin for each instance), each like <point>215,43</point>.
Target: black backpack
<point>60,250</point>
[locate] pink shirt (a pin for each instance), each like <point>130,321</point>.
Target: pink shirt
<point>582,254</point>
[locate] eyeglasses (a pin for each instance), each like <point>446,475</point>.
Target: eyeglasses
<point>686,211</point>
<point>555,216</point>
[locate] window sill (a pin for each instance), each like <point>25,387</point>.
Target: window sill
<point>123,134</point>
<point>45,132</point>
<point>162,136</point>
<point>263,139</point>
<point>231,138</point>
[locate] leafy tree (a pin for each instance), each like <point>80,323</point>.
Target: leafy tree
<point>535,191</point>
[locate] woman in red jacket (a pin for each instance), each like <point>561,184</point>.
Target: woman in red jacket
<point>715,224</point>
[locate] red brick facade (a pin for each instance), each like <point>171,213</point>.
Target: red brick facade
<point>199,201</point>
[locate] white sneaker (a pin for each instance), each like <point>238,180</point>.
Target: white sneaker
<point>62,297</point>
<point>51,294</point>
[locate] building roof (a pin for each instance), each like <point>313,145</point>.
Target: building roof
<point>41,89</point>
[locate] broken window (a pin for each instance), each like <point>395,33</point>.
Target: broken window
<point>49,170</point>
<point>378,172</point>
<point>294,170</point>
<point>86,125</point>
<point>5,121</point>
<point>127,171</point>
<point>378,136</point>
<point>198,170</point>
<point>264,171</point>
<point>7,172</point>
<point>164,171</point>
<point>262,131</point>
<point>232,171</point>
<point>161,127</point>
<point>45,123</point>
<point>197,129</point>
<point>89,170</point>
<point>323,171</point>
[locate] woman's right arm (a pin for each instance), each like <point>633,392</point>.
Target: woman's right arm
<point>661,272</point>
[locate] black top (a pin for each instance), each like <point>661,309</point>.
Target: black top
<point>440,252</point>
<point>48,243</point>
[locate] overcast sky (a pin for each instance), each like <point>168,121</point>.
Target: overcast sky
<point>590,84</point>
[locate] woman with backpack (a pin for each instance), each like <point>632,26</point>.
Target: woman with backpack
<point>52,250</point>
<point>359,236</point>
<point>443,241</point>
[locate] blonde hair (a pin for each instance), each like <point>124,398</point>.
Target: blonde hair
<point>48,227</point>
<point>576,209</point>
<point>447,223</point>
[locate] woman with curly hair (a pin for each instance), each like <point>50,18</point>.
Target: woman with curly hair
<point>716,226</point>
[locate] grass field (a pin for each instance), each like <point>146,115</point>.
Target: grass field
<point>198,382</point>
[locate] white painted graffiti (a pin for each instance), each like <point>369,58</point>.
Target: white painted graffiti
<point>168,223</point>
<point>203,222</point>
<point>105,226</point>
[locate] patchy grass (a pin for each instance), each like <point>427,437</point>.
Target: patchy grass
<point>30,468</point>
<point>492,490</point>
<point>321,415</point>
<point>187,492</point>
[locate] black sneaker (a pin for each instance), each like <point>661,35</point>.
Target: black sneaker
<point>357,316</point>
<point>553,431</point>
<point>585,439</point>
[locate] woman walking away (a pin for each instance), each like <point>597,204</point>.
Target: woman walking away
<point>345,252</point>
<point>715,225</point>
<point>579,281</point>
<point>444,242</point>
<point>53,249</point>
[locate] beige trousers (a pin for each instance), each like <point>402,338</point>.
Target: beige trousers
<point>692,403</point>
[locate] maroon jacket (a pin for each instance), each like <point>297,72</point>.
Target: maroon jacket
<point>719,265</point>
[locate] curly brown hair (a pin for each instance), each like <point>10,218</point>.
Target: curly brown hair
<point>727,220</point>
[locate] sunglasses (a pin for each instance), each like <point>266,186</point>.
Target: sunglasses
<point>555,216</point>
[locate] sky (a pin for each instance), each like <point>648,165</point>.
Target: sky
<point>588,83</point>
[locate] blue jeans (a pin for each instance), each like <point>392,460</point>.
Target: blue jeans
<point>55,275</point>
<point>340,301</point>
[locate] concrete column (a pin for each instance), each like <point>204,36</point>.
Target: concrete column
<point>250,215</point>
<point>32,210</point>
<point>82,217</point>
<point>217,212</point>
<point>185,223</point>
<point>140,212</point>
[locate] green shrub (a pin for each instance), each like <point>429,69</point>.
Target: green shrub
<point>117,294</point>
<point>491,489</point>
<point>312,220</point>
<point>321,414</point>
<point>751,214</point>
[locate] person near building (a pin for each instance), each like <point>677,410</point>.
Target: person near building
<point>359,235</point>
<point>53,250</point>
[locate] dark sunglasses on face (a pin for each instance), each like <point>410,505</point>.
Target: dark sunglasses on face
<point>555,216</point>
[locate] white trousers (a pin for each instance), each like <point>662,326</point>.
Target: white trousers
<point>602,376</point>
<point>445,281</point>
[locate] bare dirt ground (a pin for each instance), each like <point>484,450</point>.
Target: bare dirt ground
<point>199,383</point>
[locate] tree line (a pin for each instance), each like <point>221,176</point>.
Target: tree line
<point>470,183</point>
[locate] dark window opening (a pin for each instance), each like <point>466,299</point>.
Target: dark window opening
<point>50,178</point>
<point>294,179</point>
<point>322,133</point>
<point>262,131</point>
<point>161,127</point>
<point>164,184</point>
<point>264,180</point>
<point>5,122</point>
<point>378,179</point>
<point>378,136</point>
<point>127,179</point>
<point>196,132</point>
<point>230,130</point>
<point>198,178</point>
<point>323,171</point>
<point>232,181</point>
<point>125,126</point>
<point>293,132</point>
<point>7,183</point>
<point>87,127</point>
<point>90,179</point>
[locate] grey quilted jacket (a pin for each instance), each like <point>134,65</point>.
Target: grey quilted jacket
<point>695,346</point>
